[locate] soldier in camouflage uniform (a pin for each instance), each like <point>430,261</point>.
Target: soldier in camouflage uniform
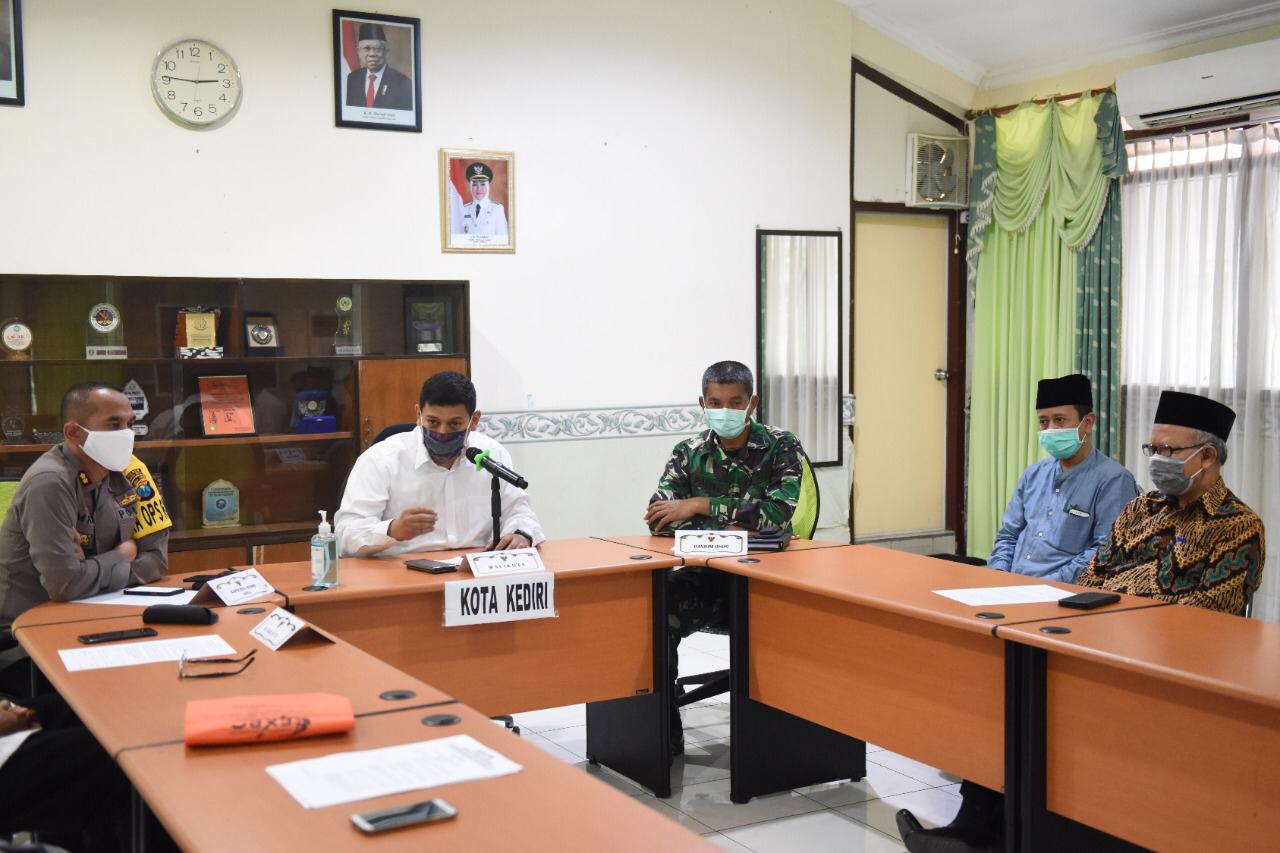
<point>740,475</point>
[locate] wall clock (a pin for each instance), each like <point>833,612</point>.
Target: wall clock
<point>196,83</point>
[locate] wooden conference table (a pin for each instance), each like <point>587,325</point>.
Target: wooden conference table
<point>222,798</point>
<point>606,647</point>
<point>1176,708</point>
<point>137,713</point>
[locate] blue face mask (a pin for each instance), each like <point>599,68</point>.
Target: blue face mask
<point>444,445</point>
<point>727,423</point>
<point>1061,444</point>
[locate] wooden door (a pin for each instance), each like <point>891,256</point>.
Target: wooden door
<point>899,341</point>
<point>389,390</point>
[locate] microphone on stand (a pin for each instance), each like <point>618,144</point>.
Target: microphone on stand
<point>483,461</point>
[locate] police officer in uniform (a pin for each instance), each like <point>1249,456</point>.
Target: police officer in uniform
<point>86,518</point>
<point>482,215</point>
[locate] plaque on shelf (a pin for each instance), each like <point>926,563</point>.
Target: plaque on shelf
<point>220,502</point>
<point>344,342</point>
<point>15,339</point>
<point>428,324</point>
<point>309,412</point>
<point>105,336</point>
<point>45,436</point>
<point>196,335</point>
<point>13,426</point>
<point>225,406</point>
<point>261,335</point>
<point>138,402</point>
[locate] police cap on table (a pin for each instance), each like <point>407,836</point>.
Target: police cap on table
<point>1177,408</point>
<point>1073,390</point>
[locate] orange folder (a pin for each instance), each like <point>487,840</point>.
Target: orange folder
<point>258,719</point>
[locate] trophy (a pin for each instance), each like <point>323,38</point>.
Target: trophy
<point>106,333</point>
<point>15,339</point>
<point>308,412</point>
<point>13,426</point>
<point>344,342</point>
<point>427,326</point>
<point>197,333</point>
<point>221,504</point>
<point>138,402</point>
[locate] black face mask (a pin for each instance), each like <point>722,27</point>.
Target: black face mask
<point>444,445</point>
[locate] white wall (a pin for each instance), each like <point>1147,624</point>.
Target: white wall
<point>651,139</point>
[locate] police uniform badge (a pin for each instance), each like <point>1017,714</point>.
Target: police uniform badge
<point>152,516</point>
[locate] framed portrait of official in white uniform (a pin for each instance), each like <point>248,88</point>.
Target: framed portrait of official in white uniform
<point>477,200</point>
<point>377,79</point>
<point>11,82</point>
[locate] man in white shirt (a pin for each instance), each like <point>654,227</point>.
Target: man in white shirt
<point>415,491</point>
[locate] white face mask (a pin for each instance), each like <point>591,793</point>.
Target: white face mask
<point>110,448</point>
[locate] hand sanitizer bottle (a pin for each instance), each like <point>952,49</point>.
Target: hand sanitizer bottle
<point>324,555</point>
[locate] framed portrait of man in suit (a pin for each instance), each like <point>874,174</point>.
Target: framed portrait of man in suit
<point>11,83</point>
<point>477,200</point>
<point>376,71</point>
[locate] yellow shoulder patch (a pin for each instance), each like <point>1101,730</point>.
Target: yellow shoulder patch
<point>152,515</point>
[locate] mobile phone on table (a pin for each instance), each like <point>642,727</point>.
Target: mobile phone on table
<point>112,636</point>
<point>431,567</point>
<point>1088,600</point>
<point>428,811</point>
<point>154,590</point>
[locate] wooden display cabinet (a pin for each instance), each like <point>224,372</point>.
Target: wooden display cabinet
<point>345,339</point>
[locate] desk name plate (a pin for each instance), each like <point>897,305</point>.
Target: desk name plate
<point>704,543</point>
<point>510,598</point>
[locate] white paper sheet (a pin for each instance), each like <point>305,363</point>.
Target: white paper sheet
<point>985,596</point>
<point>134,653</point>
<point>346,777</point>
<point>118,597</point>
<point>512,561</point>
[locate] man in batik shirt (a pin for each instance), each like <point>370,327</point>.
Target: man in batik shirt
<point>1191,541</point>
<point>738,475</point>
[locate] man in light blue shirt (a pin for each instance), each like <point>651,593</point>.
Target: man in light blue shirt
<point>1064,506</point>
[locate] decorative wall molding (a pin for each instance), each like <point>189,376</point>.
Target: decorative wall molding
<point>847,409</point>
<point>587,424</point>
<point>961,66</point>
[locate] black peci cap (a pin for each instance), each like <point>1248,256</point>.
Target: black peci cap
<point>1177,408</point>
<point>371,32</point>
<point>1073,390</point>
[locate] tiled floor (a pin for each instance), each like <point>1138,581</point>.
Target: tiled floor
<point>850,817</point>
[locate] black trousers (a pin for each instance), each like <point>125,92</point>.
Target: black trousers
<point>697,600</point>
<point>62,784</point>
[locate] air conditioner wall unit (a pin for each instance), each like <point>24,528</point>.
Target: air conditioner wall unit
<point>937,171</point>
<point>1238,81</point>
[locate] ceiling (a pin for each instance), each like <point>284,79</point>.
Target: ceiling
<point>995,43</point>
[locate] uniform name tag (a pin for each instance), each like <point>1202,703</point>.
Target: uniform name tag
<point>711,543</point>
<point>510,598</point>
<point>1078,513</point>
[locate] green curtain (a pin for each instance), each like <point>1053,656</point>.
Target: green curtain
<point>1097,352</point>
<point>1049,194</point>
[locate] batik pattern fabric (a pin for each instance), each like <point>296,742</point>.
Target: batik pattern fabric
<point>1209,553</point>
<point>755,488</point>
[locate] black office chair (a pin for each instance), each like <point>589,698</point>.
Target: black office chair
<point>804,525</point>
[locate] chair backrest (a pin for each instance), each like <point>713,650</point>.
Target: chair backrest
<point>804,521</point>
<point>394,429</point>
<point>384,433</point>
<point>8,488</point>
